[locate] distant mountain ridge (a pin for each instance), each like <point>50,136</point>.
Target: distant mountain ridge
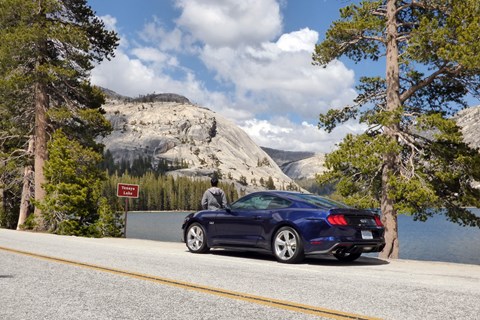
<point>282,157</point>
<point>298,165</point>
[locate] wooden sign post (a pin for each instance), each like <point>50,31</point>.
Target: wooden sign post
<point>127,191</point>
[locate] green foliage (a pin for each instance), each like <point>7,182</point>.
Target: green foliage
<point>162,192</point>
<point>439,178</point>
<point>141,165</point>
<point>356,167</point>
<point>73,203</point>
<point>212,132</point>
<point>10,187</point>
<point>312,186</point>
<point>263,162</point>
<point>243,180</point>
<point>270,185</point>
<point>412,150</point>
<point>109,223</point>
<point>47,49</point>
<point>357,22</point>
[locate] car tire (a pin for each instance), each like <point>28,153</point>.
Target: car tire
<point>347,257</point>
<point>196,238</point>
<point>288,246</point>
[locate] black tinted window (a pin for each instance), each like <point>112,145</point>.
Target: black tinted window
<point>320,201</point>
<point>278,203</point>
<point>260,202</point>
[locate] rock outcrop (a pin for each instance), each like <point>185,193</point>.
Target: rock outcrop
<point>306,168</point>
<point>469,120</point>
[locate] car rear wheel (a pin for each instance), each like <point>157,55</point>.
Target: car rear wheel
<point>347,257</point>
<point>196,239</point>
<point>287,246</point>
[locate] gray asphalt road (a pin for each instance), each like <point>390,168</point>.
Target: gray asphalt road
<point>36,288</point>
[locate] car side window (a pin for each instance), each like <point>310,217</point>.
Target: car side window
<point>261,202</point>
<point>244,204</point>
<point>278,203</point>
<point>258,202</point>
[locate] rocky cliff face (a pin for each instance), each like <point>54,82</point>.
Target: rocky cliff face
<point>306,168</point>
<point>298,165</point>
<point>469,120</point>
<point>177,131</point>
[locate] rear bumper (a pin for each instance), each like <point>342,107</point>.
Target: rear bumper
<point>347,247</point>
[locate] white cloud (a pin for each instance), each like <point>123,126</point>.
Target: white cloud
<point>154,32</point>
<point>154,55</point>
<point>302,40</point>
<point>282,134</point>
<point>230,22</point>
<point>279,76</point>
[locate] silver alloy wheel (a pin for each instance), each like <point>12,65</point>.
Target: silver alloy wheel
<point>286,244</point>
<point>195,238</point>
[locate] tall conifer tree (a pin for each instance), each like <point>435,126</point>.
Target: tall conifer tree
<point>412,158</point>
<point>47,48</point>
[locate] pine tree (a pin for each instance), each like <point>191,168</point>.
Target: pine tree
<point>47,48</point>
<point>73,189</point>
<point>412,158</point>
<point>270,185</point>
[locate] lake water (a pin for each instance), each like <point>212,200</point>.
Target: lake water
<point>434,240</point>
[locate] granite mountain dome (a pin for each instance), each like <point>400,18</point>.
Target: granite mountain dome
<point>168,127</point>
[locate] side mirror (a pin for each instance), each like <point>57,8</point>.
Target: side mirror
<point>228,208</point>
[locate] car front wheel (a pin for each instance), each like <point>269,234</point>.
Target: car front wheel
<point>196,239</point>
<point>287,246</point>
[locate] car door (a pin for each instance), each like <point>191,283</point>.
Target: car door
<point>242,224</point>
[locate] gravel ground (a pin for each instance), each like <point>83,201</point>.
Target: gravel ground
<point>33,288</point>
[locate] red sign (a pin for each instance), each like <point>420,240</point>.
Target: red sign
<point>127,190</point>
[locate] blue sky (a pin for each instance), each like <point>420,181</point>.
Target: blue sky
<point>247,60</point>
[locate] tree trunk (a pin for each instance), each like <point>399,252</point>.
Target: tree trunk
<point>40,132</point>
<point>41,106</point>
<point>390,159</point>
<point>27,193</point>
<point>389,214</point>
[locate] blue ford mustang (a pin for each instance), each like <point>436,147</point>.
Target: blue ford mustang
<point>288,224</point>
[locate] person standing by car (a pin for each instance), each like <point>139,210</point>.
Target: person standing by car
<point>214,198</point>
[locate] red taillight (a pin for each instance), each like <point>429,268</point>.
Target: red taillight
<point>337,219</point>
<point>378,221</point>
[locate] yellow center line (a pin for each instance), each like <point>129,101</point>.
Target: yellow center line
<point>291,306</point>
